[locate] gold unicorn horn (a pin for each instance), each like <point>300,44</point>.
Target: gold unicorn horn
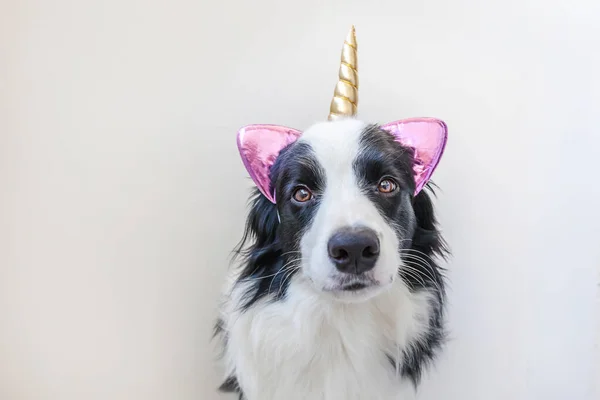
<point>345,96</point>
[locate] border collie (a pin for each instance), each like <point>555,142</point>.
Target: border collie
<point>338,295</point>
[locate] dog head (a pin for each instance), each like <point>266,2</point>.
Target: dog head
<point>340,205</point>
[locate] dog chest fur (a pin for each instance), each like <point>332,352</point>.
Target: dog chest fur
<point>307,348</point>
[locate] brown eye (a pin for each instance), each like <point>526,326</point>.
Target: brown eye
<point>387,186</point>
<point>302,195</point>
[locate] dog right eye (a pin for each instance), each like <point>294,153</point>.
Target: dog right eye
<point>387,186</point>
<point>302,194</point>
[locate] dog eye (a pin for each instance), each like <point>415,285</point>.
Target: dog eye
<point>302,195</point>
<point>387,186</point>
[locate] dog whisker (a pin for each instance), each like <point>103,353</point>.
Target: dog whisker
<point>283,270</point>
<point>254,279</point>
<point>430,271</point>
<point>407,266</point>
<point>413,273</point>
<point>288,275</point>
<point>291,252</point>
<point>425,262</point>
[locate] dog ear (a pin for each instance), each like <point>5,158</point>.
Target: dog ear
<point>259,146</point>
<point>427,137</point>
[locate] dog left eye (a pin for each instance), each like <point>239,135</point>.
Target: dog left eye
<point>387,186</point>
<point>302,194</point>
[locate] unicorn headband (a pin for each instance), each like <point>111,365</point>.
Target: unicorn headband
<point>259,145</point>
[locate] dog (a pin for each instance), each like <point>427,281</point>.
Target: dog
<point>338,293</point>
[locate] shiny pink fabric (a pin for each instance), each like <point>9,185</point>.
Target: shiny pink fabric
<point>259,146</point>
<point>427,137</point>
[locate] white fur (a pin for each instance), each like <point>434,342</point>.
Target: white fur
<point>311,345</point>
<point>336,145</point>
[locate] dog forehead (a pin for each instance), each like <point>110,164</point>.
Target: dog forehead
<point>335,143</point>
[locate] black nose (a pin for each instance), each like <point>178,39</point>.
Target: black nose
<point>354,251</point>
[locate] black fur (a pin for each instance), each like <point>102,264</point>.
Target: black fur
<point>270,260</point>
<point>381,156</point>
<point>268,247</point>
<point>427,243</point>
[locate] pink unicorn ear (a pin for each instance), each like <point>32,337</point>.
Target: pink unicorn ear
<point>259,146</point>
<point>427,137</point>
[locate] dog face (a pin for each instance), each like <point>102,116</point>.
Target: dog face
<point>338,215</point>
<point>344,202</point>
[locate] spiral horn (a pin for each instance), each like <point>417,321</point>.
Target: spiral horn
<point>345,97</point>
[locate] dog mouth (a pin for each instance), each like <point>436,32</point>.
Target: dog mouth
<point>352,285</point>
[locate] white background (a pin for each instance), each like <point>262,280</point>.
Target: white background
<point>122,191</point>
